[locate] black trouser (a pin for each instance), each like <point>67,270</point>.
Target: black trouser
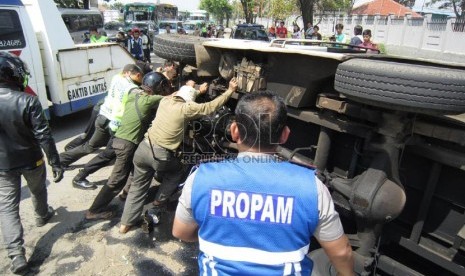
<point>88,132</point>
<point>124,151</point>
<point>10,197</point>
<point>147,55</point>
<point>103,158</point>
<point>99,138</point>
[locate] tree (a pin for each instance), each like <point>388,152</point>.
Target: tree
<point>407,3</point>
<point>457,5</point>
<point>281,9</point>
<point>117,6</point>
<point>220,9</point>
<point>237,11</point>
<point>248,6</point>
<point>307,7</point>
<point>261,6</point>
<point>76,4</point>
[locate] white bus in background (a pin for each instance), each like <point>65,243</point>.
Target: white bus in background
<point>111,15</point>
<point>78,22</point>
<point>199,17</point>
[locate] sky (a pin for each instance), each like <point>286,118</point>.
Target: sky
<point>183,5</point>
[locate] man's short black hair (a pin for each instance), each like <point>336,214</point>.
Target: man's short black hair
<point>358,29</point>
<point>261,118</point>
<point>133,69</point>
<point>93,28</point>
<point>145,66</point>
<point>169,63</point>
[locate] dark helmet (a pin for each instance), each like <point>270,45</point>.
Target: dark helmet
<point>157,83</point>
<point>13,70</point>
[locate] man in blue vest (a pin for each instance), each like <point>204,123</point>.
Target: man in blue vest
<point>135,45</point>
<point>255,214</point>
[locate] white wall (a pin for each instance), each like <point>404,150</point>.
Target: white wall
<point>421,37</point>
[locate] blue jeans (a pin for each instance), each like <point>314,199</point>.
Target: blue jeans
<point>10,196</point>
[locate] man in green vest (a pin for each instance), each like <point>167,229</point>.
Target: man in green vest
<point>96,37</point>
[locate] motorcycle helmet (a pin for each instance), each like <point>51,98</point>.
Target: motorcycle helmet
<point>157,83</point>
<point>13,71</point>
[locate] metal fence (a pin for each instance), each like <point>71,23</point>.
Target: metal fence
<point>370,20</point>
<point>458,25</point>
<point>415,21</point>
<point>383,20</point>
<point>397,21</point>
<point>437,25</point>
<point>348,20</point>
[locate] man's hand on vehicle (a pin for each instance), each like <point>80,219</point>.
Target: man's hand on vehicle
<point>203,88</point>
<point>57,173</point>
<point>233,84</point>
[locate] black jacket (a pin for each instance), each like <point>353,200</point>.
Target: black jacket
<point>23,131</point>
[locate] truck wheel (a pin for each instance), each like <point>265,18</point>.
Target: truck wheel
<point>404,87</point>
<point>176,47</point>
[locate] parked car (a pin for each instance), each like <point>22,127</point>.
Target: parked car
<point>112,28</point>
<point>174,25</point>
<point>250,32</point>
<point>189,27</point>
<point>386,134</point>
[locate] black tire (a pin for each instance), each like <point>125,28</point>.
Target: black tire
<point>176,47</point>
<point>404,87</point>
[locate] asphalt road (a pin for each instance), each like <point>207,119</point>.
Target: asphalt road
<point>71,245</point>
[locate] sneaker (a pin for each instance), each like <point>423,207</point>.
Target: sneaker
<point>43,220</point>
<point>18,264</point>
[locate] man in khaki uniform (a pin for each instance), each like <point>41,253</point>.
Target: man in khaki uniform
<point>157,152</point>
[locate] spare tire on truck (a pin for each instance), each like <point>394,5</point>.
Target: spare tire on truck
<point>180,48</point>
<point>401,86</point>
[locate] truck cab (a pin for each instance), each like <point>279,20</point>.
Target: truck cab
<point>66,77</point>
